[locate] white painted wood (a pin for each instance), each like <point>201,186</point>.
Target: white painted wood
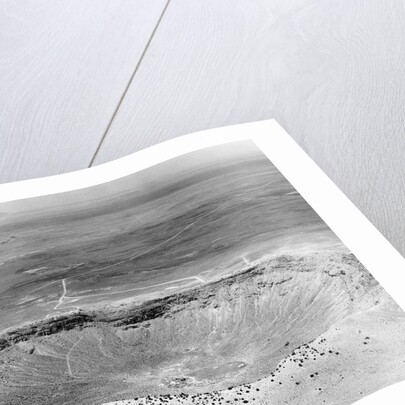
<point>330,72</point>
<point>63,67</point>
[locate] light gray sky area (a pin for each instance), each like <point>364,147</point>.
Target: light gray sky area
<point>140,185</point>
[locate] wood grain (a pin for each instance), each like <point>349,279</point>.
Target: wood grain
<point>331,72</point>
<point>63,68</point>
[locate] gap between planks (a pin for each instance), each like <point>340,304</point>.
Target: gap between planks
<point>128,84</point>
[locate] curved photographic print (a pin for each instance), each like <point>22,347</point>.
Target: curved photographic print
<point>205,279</point>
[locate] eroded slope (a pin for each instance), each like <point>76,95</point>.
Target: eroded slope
<point>228,333</point>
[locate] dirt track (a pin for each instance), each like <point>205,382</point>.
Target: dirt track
<point>287,316</point>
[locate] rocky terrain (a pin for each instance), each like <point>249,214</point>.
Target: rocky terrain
<point>311,328</point>
<point>180,222</point>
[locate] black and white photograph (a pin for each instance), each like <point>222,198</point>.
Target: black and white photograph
<point>204,279</point>
<point>202,202</point>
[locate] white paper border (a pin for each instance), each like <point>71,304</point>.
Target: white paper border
<point>340,214</point>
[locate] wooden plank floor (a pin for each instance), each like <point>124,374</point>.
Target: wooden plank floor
<point>63,67</point>
<point>330,71</point>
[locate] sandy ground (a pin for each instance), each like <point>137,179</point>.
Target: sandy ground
<point>307,328</point>
<point>355,357</point>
